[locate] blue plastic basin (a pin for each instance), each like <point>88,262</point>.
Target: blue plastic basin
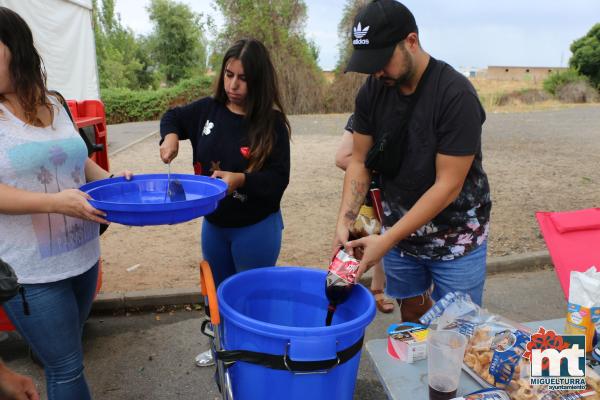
<point>141,200</point>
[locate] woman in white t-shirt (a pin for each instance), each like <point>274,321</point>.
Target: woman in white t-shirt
<point>48,230</point>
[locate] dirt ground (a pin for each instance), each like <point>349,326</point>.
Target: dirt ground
<point>536,161</point>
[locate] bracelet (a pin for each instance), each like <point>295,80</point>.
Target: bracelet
<point>111,176</point>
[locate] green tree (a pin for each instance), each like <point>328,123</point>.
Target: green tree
<point>586,55</point>
<point>118,51</point>
<point>313,47</point>
<point>107,17</point>
<point>345,31</point>
<point>280,26</point>
<point>148,76</point>
<point>178,40</point>
<point>342,91</point>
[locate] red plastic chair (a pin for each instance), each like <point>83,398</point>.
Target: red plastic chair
<point>90,113</point>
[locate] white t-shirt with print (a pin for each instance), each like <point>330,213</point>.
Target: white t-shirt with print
<point>44,247</point>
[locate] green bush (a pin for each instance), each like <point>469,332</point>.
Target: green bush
<point>558,79</point>
<point>125,105</point>
<point>578,92</point>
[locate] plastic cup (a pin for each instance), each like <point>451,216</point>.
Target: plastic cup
<point>445,352</point>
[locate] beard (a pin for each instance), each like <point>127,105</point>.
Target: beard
<point>408,68</point>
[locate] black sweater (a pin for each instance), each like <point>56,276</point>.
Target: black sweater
<point>219,140</point>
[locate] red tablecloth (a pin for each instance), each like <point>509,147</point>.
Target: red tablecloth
<point>573,239</point>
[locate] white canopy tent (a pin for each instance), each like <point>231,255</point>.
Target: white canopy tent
<point>64,37</point>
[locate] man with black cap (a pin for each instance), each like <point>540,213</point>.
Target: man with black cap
<point>418,124</point>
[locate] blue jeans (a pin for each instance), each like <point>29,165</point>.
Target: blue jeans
<point>53,330</point>
<point>233,250</point>
<point>408,276</point>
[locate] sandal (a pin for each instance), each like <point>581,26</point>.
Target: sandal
<point>383,304</point>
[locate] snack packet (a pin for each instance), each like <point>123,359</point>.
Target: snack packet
<point>366,223</point>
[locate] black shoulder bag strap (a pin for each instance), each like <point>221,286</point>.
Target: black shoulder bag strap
<point>386,155</point>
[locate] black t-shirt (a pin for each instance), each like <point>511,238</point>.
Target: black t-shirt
<point>446,119</point>
<point>219,141</point>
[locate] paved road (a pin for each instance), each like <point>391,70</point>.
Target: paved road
<point>121,135</point>
<point>150,356</point>
<point>578,124</point>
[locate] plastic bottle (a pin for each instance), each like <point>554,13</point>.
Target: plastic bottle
<point>340,281</point>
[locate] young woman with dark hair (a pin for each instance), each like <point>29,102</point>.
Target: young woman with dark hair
<point>49,230</point>
<point>240,135</point>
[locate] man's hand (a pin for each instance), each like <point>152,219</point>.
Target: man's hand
<point>339,239</point>
<point>74,203</point>
<point>233,180</point>
<point>14,386</point>
<point>373,248</point>
<point>169,148</point>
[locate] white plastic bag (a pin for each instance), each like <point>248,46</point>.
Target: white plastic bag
<point>583,314</point>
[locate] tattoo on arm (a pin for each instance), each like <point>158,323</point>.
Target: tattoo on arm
<point>359,191</point>
<point>350,215</point>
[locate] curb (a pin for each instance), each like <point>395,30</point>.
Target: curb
<point>146,136</point>
<point>150,299</point>
<point>146,299</point>
<point>519,262</point>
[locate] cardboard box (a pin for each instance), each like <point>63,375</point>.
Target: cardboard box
<point>407,342</point>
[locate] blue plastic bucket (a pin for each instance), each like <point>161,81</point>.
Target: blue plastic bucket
<point>281,310</point>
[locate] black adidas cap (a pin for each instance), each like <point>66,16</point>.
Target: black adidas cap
<point>377,29</point>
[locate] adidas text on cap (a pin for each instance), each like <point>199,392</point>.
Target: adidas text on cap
<point>377,29</point>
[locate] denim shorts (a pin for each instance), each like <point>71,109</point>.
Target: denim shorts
<point>408,276</point>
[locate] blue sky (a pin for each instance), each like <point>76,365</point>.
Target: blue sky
<point>464,33</point>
